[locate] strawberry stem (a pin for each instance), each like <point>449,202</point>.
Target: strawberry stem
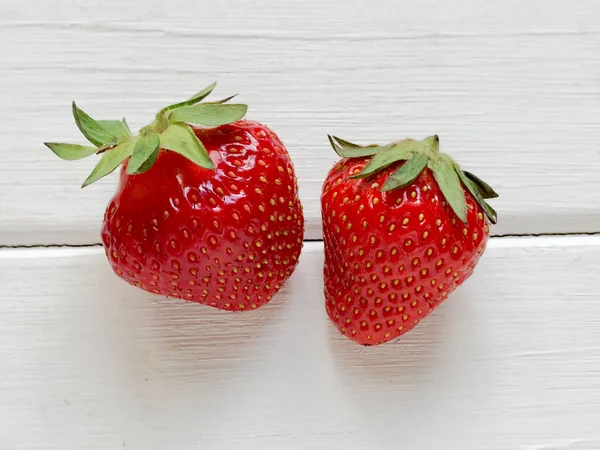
<point>432,142</point>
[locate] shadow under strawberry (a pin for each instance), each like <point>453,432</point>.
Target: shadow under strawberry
<point>182,343</point>
<point>424,372</point>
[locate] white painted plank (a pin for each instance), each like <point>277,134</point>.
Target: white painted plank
<point>512,88</point>
<point>509,362</point>
<point>326,17</point>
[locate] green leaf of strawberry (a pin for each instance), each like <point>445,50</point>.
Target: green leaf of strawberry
<point>407,173</point>
<point>444,174</point>
<point>181,139</point>
<point>95,132</point>
<point>209,114</point>
<point>110,161</point>
<point>418,155</point>
<point>169,130</point>
<point>196,98</point>
<point>400,151</point>
<point>119,128</point>
<point>346,149</point>
<point>145,152</point>
<point>346,144</point>
<point>225,100</point>
<point>476,192</point>
<point>70,152</point>
<point>484,188</point>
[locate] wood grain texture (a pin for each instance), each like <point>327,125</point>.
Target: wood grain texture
<point>509,362</point>
<point>512,88</point>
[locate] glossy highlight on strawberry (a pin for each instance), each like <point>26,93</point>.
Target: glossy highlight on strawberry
<point>394,253</point>
<point>209,214</point>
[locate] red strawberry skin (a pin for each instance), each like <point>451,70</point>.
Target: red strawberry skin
<point>392,257</point>
<point>227,238</point>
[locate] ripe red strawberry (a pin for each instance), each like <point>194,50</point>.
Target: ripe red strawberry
<point>403,226</point>
<point>210,214</point>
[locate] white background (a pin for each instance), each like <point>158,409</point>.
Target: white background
<point>511,361</point>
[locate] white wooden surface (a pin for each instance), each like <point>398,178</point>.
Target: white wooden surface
<point>510,362</point>
<point>512,87</point>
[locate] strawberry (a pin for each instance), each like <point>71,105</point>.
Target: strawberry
<point>403,226</point>
<point>208,214</point>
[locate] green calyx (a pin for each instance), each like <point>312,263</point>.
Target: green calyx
<point>170,130</point>
<point>417,155</point>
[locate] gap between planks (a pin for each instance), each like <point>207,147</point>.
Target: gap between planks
<point>505,241</point>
